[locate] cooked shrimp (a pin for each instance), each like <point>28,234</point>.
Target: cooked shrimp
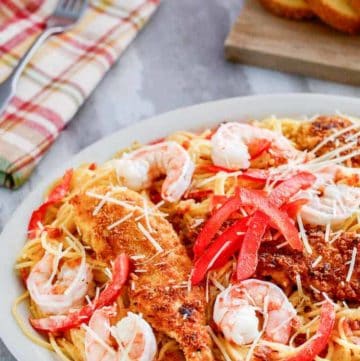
<point>235,312</point>
<point>69,289</point>
<point>331,202</point>
<point>139,168</point>
<point>230,145</point>
<point>134,336</point>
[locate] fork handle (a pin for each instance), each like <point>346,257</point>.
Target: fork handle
<point>8,87</point>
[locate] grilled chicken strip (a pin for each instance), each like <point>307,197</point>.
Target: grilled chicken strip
<point>325,274</point>
<point>159,280</point>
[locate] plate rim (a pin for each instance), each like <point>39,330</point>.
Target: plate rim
<point>13,338</point>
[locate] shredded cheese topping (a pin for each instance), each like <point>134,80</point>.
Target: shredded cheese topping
<point>303,235</point>
<point>352,264</point>
<point>149,237</point>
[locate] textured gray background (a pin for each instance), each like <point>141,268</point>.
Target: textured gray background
<point>177,61</point>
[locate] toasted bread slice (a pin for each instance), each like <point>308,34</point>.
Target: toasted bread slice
<point>356,5</point>
<point>291,9</point>
<point>339,14</point>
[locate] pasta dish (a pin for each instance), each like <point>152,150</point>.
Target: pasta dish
<point>239,242</point>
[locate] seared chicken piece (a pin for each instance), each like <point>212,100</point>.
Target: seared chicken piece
<point>158,289</point>
<point>310,134</point>
<point>328,274</point>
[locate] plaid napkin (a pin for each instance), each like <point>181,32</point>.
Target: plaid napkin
<point>60,76</point>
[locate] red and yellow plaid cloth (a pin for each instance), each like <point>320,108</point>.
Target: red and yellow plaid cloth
<point>60,76</point>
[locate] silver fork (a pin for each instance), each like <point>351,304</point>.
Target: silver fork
<point>65,15</point>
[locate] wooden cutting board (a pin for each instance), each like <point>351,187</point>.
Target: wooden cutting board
<point>307,48</point>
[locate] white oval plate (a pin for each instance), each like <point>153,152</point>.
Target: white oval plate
<point>192,118</point>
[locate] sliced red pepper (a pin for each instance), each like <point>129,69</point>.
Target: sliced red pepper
<point>317,343</point>
<point>260,175</point>
<point>61,323</point>
<point>248,255</point>
<point>217,201</point>
<point>291,186</point>
<point>280,219</point>
<point>61,190</point>
<point>255,175</point>
<point>227,243</point>
<point>293,208</point>
<point>56,195</point>
<point>280,195</point>
<point>258,146</point>
<point>213,225</point>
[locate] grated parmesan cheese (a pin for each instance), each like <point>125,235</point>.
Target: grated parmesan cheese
<point>299,285</point>
<point>314,289</point>
<point>98,339</point>
<point>327,233</point>
<point>334,136</point>
<point>303,235</point>
<point>316,262</point>
<point>217,255</point>
<point>218,344</point>
<point>121,220</point>
<point>149,237</point>
<point>352,265</point>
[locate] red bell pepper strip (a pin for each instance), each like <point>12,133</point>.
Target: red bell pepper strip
<point>248,255</point>
<point>260,175</point>
<point>61,323</point>
<point>56,195</point>
<point>213,225</point>
<point>219,252</point>
<point>257,147</point>
<point>293,208</point>
<point>217,201</point>
<point>280,219</point>
<point>60,191</point>
<point>291,186</point>
<point>317,343</point>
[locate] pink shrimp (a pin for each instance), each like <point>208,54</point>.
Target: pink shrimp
<point>235,312</point>
<point>331,202</point>
<point>230,145</point>
<point>133,335</point>
<point>69,289</point>
<point>140,168</point>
